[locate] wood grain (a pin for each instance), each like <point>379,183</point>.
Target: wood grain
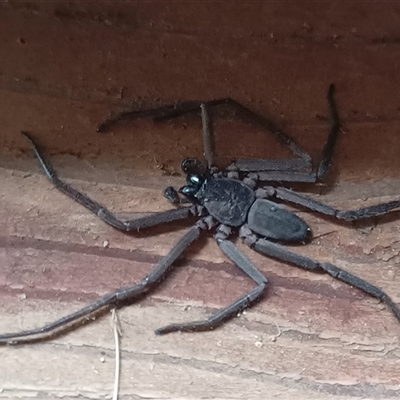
<point>333,340</point>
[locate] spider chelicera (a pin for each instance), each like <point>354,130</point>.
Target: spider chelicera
<point>242,199</point>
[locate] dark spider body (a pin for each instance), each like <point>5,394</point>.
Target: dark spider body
<point>274,222</point>
<point>231,200</point>
<point>227,200</point>
<point>233,203</point>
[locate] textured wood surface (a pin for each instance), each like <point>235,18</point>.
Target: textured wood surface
<point>65,66</point>
<point>311,335</point>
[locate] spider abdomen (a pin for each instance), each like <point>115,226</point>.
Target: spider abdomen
<point>273,221</point>
<point>227,200</point>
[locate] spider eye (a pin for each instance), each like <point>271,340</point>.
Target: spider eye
<point>194,180</point>
<point>188,191</point>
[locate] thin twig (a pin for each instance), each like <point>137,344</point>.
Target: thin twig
<point>117,333</point>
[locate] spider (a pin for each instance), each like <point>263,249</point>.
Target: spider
<point>232,201</point>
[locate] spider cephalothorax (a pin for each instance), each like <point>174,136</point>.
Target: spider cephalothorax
<point>249,206</point>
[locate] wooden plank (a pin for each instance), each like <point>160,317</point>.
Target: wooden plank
<point>335,342</point>
<point>110,64</point>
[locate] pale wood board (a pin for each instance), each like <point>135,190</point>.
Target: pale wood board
<point>334,341</point>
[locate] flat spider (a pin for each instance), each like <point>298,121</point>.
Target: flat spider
<point>234,201</point>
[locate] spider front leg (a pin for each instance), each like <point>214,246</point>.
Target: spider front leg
<point>233,253</point>
<point>102,212</point>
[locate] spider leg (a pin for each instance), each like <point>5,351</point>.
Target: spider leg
<point>208,135</point>
<point>178,109</point>
<point>233,253</point>
<point>164,112</point>
<point>291,170</point>
<point>314,205</point>
<point>158,273</point>
<point>327,151</point>
<point>283,138</point>
<point>281,253</point>
<point>103,213</point>
<point>294,170</point>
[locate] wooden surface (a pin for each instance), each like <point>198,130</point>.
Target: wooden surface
<point>334,341</point>
<point>65,66</point>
